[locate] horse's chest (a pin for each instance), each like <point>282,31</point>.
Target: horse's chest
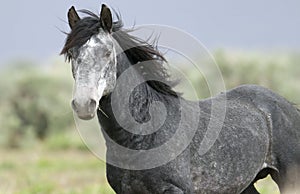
<point>131,182</point>
<point>172,177</point>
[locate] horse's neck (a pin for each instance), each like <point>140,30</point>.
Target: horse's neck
<point>122,63</point>
<point>136,115</point>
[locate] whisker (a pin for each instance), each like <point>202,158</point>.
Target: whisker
<point>103,112</point>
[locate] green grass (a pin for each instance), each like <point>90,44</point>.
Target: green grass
<point>267,186</point>
<point>44,171</point>
<point>64,141</point>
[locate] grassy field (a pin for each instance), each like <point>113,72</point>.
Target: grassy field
<point>71,171</point>
<point>42,171</point>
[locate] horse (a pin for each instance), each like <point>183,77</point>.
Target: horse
<point>260,134</point>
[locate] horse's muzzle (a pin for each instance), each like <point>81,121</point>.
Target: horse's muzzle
<point>84,109</point>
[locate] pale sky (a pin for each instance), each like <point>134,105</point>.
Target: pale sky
<point>29,28</point>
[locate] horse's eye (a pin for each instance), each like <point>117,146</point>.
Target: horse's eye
<point>108,53</point>
<point>79,60</point>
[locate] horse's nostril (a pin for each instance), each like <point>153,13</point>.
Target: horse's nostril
<point>93,104</point>
<point>74,105</point>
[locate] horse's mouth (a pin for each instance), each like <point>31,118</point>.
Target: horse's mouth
<point>86,117</point>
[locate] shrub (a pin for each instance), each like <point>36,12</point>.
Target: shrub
<point>34,100</point>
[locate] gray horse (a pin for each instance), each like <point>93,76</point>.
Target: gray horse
<point>260,133</point>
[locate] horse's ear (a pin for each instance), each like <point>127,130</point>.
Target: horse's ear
<point>106,18</point>
<point>73,17</point>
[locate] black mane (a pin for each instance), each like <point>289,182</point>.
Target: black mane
<point>136,50</point>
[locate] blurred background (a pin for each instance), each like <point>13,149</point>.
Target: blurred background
<point>252,42</point>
